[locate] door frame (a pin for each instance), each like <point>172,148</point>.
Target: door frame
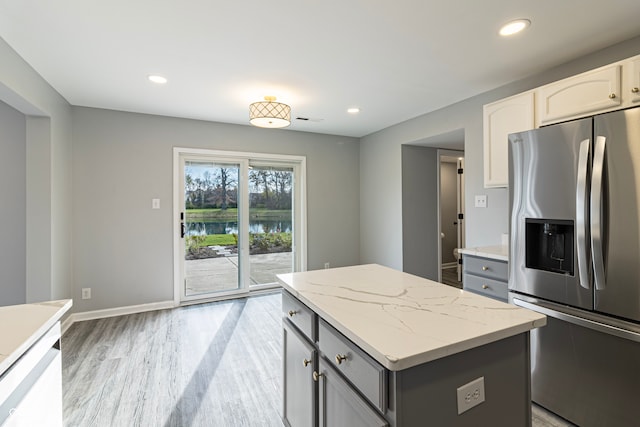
<point>460,205</point>
<point>299,216</point>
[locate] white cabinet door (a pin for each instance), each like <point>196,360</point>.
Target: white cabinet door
<point>633,88</point>
<point>581,95</point>
<point>513,114</point>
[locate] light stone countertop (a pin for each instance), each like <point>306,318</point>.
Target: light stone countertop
<point>403,320</point>
<point>22,325</point>
<point>498,252</point>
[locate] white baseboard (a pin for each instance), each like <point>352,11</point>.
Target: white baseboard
<point>112,312</point>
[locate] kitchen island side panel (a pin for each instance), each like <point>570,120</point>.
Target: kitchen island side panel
<point>425,395</point>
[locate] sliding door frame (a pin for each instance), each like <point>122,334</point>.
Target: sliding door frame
<point>299,237</point>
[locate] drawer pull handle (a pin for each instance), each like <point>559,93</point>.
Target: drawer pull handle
<point>316,376</point>
<point>305,362</point>
<point>485,268</point>
<point>340,358</point>
<point>485,286</point>
<point>292,313</point>
<point>635,90</point>
<point>612,96</point>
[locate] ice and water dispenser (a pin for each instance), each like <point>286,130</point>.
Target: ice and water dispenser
<point>549,245</point>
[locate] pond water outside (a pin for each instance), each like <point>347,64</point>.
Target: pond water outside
<point>231,227</point>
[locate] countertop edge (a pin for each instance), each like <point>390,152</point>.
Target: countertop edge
<point>37,334</point>
<point>497,252</point>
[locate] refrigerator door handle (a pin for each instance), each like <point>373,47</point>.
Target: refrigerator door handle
<point>596,212</point>
<point>581,215</point>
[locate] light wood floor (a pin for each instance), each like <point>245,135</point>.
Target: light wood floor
<point>216,364</point>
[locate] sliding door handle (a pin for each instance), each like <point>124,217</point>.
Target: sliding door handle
<point>183,230</point>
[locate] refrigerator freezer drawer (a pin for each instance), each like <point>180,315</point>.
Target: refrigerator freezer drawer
<point>588,377</point>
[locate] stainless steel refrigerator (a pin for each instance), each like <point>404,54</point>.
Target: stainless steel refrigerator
<point>575,256</point>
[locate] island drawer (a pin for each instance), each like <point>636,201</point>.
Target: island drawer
<point>367,375</point>
<point>485,267</point>
<point>300,315</point>
<point>487,287</point>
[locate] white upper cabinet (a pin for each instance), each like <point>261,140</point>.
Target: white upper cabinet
<point>590,92</point>
<point>513,114</point>
<point>632,87</point>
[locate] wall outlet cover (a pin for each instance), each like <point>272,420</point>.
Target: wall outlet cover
<point>470,395</point>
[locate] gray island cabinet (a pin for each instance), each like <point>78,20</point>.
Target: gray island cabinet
<point>371,346</point>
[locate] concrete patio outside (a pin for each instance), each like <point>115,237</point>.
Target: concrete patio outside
<point>221,273</point>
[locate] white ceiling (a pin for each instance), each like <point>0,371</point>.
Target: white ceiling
<point>394,59</point>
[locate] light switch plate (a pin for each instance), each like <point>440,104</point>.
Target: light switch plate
<point>155,203</point>
<point>481,201</point>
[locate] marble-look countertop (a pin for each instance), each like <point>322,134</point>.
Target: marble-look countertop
<point>403,320</point>
<point>498,252</point>
<point>22,325</point>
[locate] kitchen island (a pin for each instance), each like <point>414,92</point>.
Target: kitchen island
<point>30,364</point>
<point>371,346</point>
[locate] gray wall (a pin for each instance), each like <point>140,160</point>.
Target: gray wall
<point>381,163</point>
<point>13,209</point>
<point>448,209</point>
<point>48,176</point>
<point>419,211</point>
<point>122,249</point>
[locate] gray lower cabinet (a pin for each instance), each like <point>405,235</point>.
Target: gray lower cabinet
<point>300,390</point>
<point>340,404</point>
<point>331,382</point>
<point>484,276</point>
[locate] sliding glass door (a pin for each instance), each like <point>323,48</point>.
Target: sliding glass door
<point>240,222</point>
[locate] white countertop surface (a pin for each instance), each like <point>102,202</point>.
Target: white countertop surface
<point>403,320</point>
<point>22,325</point>
<point>498,252</point>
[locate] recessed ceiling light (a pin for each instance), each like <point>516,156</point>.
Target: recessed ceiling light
<point>157,79</point>
<point>514,27</point>
<point>353,110</point>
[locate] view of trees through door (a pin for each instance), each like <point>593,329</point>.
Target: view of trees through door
<point>228,206</point>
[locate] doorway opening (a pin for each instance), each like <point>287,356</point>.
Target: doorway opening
<point>450,215</point>
<point>240,221</point>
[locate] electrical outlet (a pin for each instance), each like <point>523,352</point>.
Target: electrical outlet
<point>326,265</point>
<point>86,293</point>
<point>470,395</point>
<point>155,203</point>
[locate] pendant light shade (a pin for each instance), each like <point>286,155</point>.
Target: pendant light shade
<point>269,114</point>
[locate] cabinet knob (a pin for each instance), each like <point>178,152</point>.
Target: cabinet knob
<point>292,313</point>
<point>635,90</point>
<point>316,376</point>
<point>340,358</point>
<point>612,95</point>
<point>306,362</point>
<point>485,286</point>
<point>485,268</point>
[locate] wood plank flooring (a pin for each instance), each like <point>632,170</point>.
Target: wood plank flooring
<point>216,364</point>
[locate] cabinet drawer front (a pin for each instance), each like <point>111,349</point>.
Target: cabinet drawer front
<point>485,267</point>
<point>300,315</point>
<point>367,375</point>
<point>487,287</point>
